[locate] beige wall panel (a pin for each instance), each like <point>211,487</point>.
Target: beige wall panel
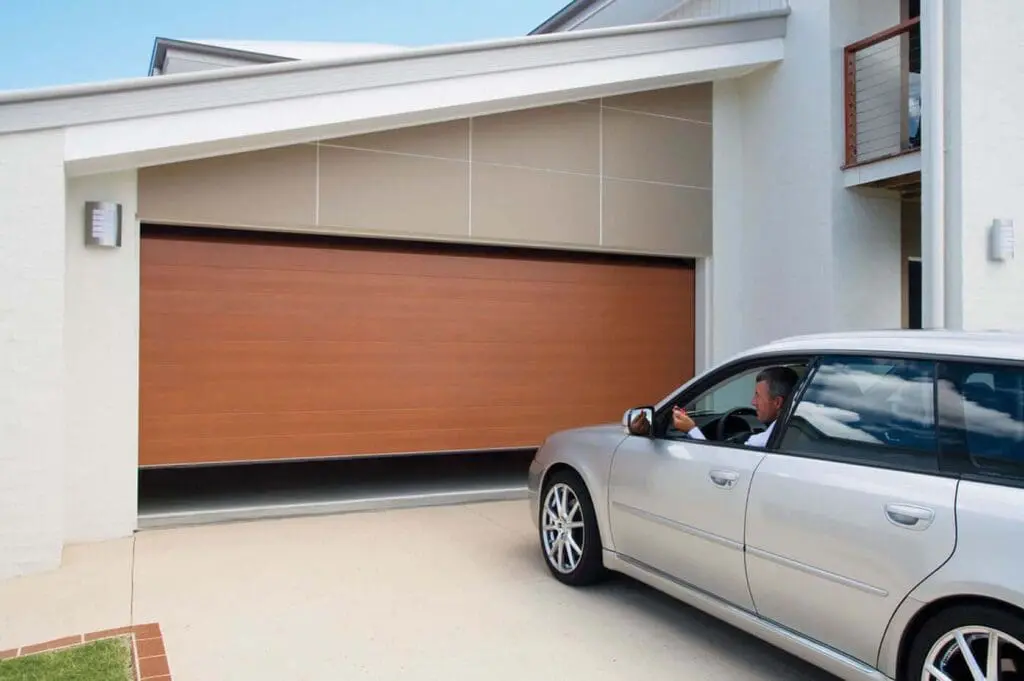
<point>554,138</point>
<point>516,204</point>
<point>639,147</point>
<point>416,181</point>
<point>392,194</point>
<point>692,102</point>
<point>443,140</point>
<point>272,188</point>
<point>657,218</point>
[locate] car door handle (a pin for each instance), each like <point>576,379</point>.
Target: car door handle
<point>724,479</point>
<point>906,515</point>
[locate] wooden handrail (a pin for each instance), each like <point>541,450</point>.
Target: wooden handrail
<point>882,36</point>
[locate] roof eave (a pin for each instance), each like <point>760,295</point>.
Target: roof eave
<point>160,46</point>
<point>564,16</point>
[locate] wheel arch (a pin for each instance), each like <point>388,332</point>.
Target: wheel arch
<point>932,609</point>
<point>599,499</point>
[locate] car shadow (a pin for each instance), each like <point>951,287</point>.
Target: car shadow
<point>750,656</point>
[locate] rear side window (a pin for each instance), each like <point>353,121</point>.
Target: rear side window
<point>869,410</point>
<point>981,408</point>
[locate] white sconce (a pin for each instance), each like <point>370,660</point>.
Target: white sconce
<point>103,224</point>
<point>1001,240</point>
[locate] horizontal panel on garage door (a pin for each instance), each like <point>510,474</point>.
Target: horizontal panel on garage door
<point>264,347</point>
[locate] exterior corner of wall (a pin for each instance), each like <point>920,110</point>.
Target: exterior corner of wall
<point>31,364</point>
<point>102,363</point>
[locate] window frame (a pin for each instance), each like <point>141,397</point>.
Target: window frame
<point>958,463</point>
<point>719,376</point>
<point>931,464</point>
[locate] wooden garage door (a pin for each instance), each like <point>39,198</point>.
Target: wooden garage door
<point>266,347</point>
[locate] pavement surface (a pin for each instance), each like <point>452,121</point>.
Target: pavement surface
<point>448,592</point>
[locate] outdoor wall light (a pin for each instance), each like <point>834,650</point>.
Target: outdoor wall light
<point>103,224</point>
<point>1001,240</point>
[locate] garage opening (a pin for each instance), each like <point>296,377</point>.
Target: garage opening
<point>282,349</point>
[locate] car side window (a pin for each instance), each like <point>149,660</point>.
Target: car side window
<point>871,410</point>
<point>981,411</point>
<point>734,392</point>
<point>731,389</point>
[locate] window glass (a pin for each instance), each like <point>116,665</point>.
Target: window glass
<point>982,407</point>
<point>867,408</point>
<point>735,391</point>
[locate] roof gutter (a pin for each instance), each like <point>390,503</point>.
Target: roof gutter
<point>145,83</point>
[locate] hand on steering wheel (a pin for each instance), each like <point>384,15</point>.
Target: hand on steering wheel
<point>734,414</point>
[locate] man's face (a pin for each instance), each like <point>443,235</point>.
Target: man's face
<point>767,408</point>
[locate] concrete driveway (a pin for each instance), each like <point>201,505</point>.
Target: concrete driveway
<point>452,592</point>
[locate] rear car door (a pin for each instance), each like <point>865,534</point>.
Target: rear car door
<point>850,512</point>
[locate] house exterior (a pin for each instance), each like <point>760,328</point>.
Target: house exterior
<point>288,251</point>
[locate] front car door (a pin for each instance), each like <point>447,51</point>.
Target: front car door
<point>850,512</point>
<point>677,505</point>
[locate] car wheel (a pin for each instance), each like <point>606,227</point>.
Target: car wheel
<point>569,538</point>
<point>968,643</point>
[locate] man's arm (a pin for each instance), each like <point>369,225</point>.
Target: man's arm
<point>682,422</point>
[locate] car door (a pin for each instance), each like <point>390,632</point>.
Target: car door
<point>677,504</point>
<point>849,512</point>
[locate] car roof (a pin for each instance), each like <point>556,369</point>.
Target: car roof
<point>999,345</point>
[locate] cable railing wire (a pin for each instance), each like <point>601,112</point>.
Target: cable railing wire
<point>882,94</point>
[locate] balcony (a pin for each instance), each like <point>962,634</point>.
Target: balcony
<point>882,99</point>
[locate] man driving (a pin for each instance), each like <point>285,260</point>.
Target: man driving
<point>772,388</point>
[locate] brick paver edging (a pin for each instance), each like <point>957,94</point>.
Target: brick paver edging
<point>148,653</point>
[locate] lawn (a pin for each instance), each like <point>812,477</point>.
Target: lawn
<point>106,660</point>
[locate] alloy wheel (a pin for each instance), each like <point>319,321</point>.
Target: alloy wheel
<point>562,526</point>
<point>975,653</point>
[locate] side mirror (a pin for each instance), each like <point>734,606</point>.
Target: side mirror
<point>638,421</point>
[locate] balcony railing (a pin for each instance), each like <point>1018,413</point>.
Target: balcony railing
<point>882,94</point>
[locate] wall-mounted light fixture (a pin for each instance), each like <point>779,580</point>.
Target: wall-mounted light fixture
<point>103,224</point>
<point>1001,240</point>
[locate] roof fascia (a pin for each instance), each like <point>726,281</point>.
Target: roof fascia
<point>161,45</point>
<point>563,16</point>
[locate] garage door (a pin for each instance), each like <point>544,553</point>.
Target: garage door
<point>258,348</point>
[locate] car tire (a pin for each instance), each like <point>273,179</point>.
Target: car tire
<point>561,533</point>
<point>935,644</point>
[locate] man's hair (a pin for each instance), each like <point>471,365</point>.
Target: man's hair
<point>781,381</point>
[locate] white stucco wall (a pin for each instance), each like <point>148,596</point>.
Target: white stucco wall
<point>101,340</point>
<point>866,223</point>
<point>795,251</point>
<point>31,352</point>
<point>985,175</point>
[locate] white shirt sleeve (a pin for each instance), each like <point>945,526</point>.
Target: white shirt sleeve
<point>760,439</point>
<point>696,433</point>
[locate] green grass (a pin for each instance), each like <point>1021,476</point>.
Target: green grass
<point>106,660</point>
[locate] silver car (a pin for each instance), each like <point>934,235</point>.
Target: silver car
<point>877,534</point>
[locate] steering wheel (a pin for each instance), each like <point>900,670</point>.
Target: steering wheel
<point>734,414</point>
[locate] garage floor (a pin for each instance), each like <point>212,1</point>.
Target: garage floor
<point>446,592</point>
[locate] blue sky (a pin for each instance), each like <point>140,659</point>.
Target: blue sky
<point>55,42</point>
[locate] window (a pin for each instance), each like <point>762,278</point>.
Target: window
<point>729,389</point>
<point>734,391</point>
<point>982,415</point>
<point>867,409</point>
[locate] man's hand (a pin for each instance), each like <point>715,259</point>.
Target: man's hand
<point>681,421</point>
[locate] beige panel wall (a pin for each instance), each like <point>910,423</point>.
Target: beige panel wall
<point>629,173</point>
